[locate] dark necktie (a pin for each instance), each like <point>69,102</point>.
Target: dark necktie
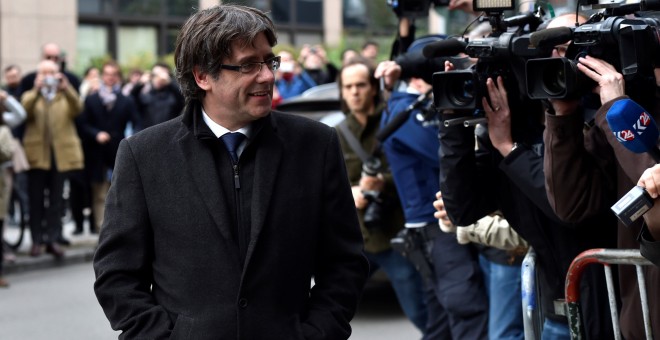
<point>232,140</point>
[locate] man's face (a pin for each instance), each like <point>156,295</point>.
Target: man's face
<point>235,99</point>
<point>12,77</point>
<point>110,76</point>
<point>356,90</point>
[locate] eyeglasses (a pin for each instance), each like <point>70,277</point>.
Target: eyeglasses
<point>253,68</point>
<point>52,57</point>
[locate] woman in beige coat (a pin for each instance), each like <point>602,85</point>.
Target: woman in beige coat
<point>53,148</point>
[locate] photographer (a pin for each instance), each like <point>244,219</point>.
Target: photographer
<point>375,197</point>
<point>457,299</point>
<point>506,174</point>
<point>157,96</point>
<point>588,170</point>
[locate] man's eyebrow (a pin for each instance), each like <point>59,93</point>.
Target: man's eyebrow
<point>254,58</point>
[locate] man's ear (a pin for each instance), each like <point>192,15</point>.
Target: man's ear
<point>202,79</point>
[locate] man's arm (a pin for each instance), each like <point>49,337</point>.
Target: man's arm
<point>122,262</point>
<point>341,268</point>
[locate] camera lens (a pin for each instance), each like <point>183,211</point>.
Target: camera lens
<point>461,92</point>
<point>554,79</point>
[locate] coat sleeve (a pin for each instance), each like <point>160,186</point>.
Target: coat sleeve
<point>578,168</point>
<point>467,177</point>
<point>341,267</point>
<point>122,262</point>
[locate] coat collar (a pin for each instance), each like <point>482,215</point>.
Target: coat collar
<point>199,159</point>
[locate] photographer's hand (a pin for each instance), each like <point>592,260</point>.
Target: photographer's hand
<point>499,116</point>
<point>372,183</point>
<point>650,180</point>
<point>360,201</point>
<point>462,5</point>
<point>440,212</point>
<point>390,71</point>
<point>62,82</point>
<point>610,82</point>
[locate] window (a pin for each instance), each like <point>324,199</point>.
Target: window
<point>136,43</point>
<point>92,43</point>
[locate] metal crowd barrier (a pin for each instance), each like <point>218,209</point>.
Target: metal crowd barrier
<point>606,257</point>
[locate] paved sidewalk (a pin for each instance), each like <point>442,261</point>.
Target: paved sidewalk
<point>81,250</point>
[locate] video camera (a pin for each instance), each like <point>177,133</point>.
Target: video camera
<point>629,44</point>
<point>414,8</point>
<point>502,53</point>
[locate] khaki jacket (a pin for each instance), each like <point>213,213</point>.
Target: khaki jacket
<point>50,126</point>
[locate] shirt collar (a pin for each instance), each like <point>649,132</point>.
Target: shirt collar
<point>219,130</point>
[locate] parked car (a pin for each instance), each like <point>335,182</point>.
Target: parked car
<point>319,103</point>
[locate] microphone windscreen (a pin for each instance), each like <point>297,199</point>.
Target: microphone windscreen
<point>444,48</point>
<point>632,126</point>
<point>551,37</point>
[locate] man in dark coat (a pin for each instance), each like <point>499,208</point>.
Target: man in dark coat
<point>219,238</point>
<point>105,115</point>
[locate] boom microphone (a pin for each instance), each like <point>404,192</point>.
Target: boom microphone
<point>444,48</point>
<point>551,37</point>
<point>634,128</point>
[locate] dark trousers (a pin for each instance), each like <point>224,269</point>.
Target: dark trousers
<point>456,297</point>
<point>80,197</point>
<point>45,189</point>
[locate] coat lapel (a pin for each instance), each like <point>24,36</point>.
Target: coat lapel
<point>267,160</point>
<point>201,166</point>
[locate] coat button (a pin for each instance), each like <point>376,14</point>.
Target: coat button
<point>242,302</point>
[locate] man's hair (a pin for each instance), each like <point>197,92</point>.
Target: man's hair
<point>115,65</point>
<point>206,40</point>
<point>370,43</point>
<point>373,82</point>
<point>12,67</point>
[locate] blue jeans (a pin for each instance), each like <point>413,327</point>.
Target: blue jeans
<point>505,301</point>
<point>554,330</point>
<point>406,282</point>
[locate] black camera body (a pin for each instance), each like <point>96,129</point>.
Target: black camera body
<point>502,55</point>
<point>630,45</point>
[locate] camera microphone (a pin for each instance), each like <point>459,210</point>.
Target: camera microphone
<point>635,129</point>
<point>444,48</point>
<point>551,37</point>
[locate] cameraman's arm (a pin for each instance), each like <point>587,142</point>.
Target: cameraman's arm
<point>521,165</point>
<point>578,165</point>
<point>611,89</point>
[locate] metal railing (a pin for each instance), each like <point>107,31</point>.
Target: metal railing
<point>606,257</point>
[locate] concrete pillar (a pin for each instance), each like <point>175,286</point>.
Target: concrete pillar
<point>208,3</point>
<point>28,24</point>
<point>333,22</point>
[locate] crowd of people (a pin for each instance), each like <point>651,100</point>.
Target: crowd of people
<point>215,220</point>
<point>64,130</point>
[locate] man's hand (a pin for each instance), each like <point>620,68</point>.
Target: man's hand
<point>390,71</point>
<point>499,116</point>
<point>650,180</point>
<point>610,82</point>
<point>461,5</point>
<point>441,214</point>
<point>63,81</point>
<point>103,137</point>
<point>360,201</point>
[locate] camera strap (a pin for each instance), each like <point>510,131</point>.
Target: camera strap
<point>353,143</point>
